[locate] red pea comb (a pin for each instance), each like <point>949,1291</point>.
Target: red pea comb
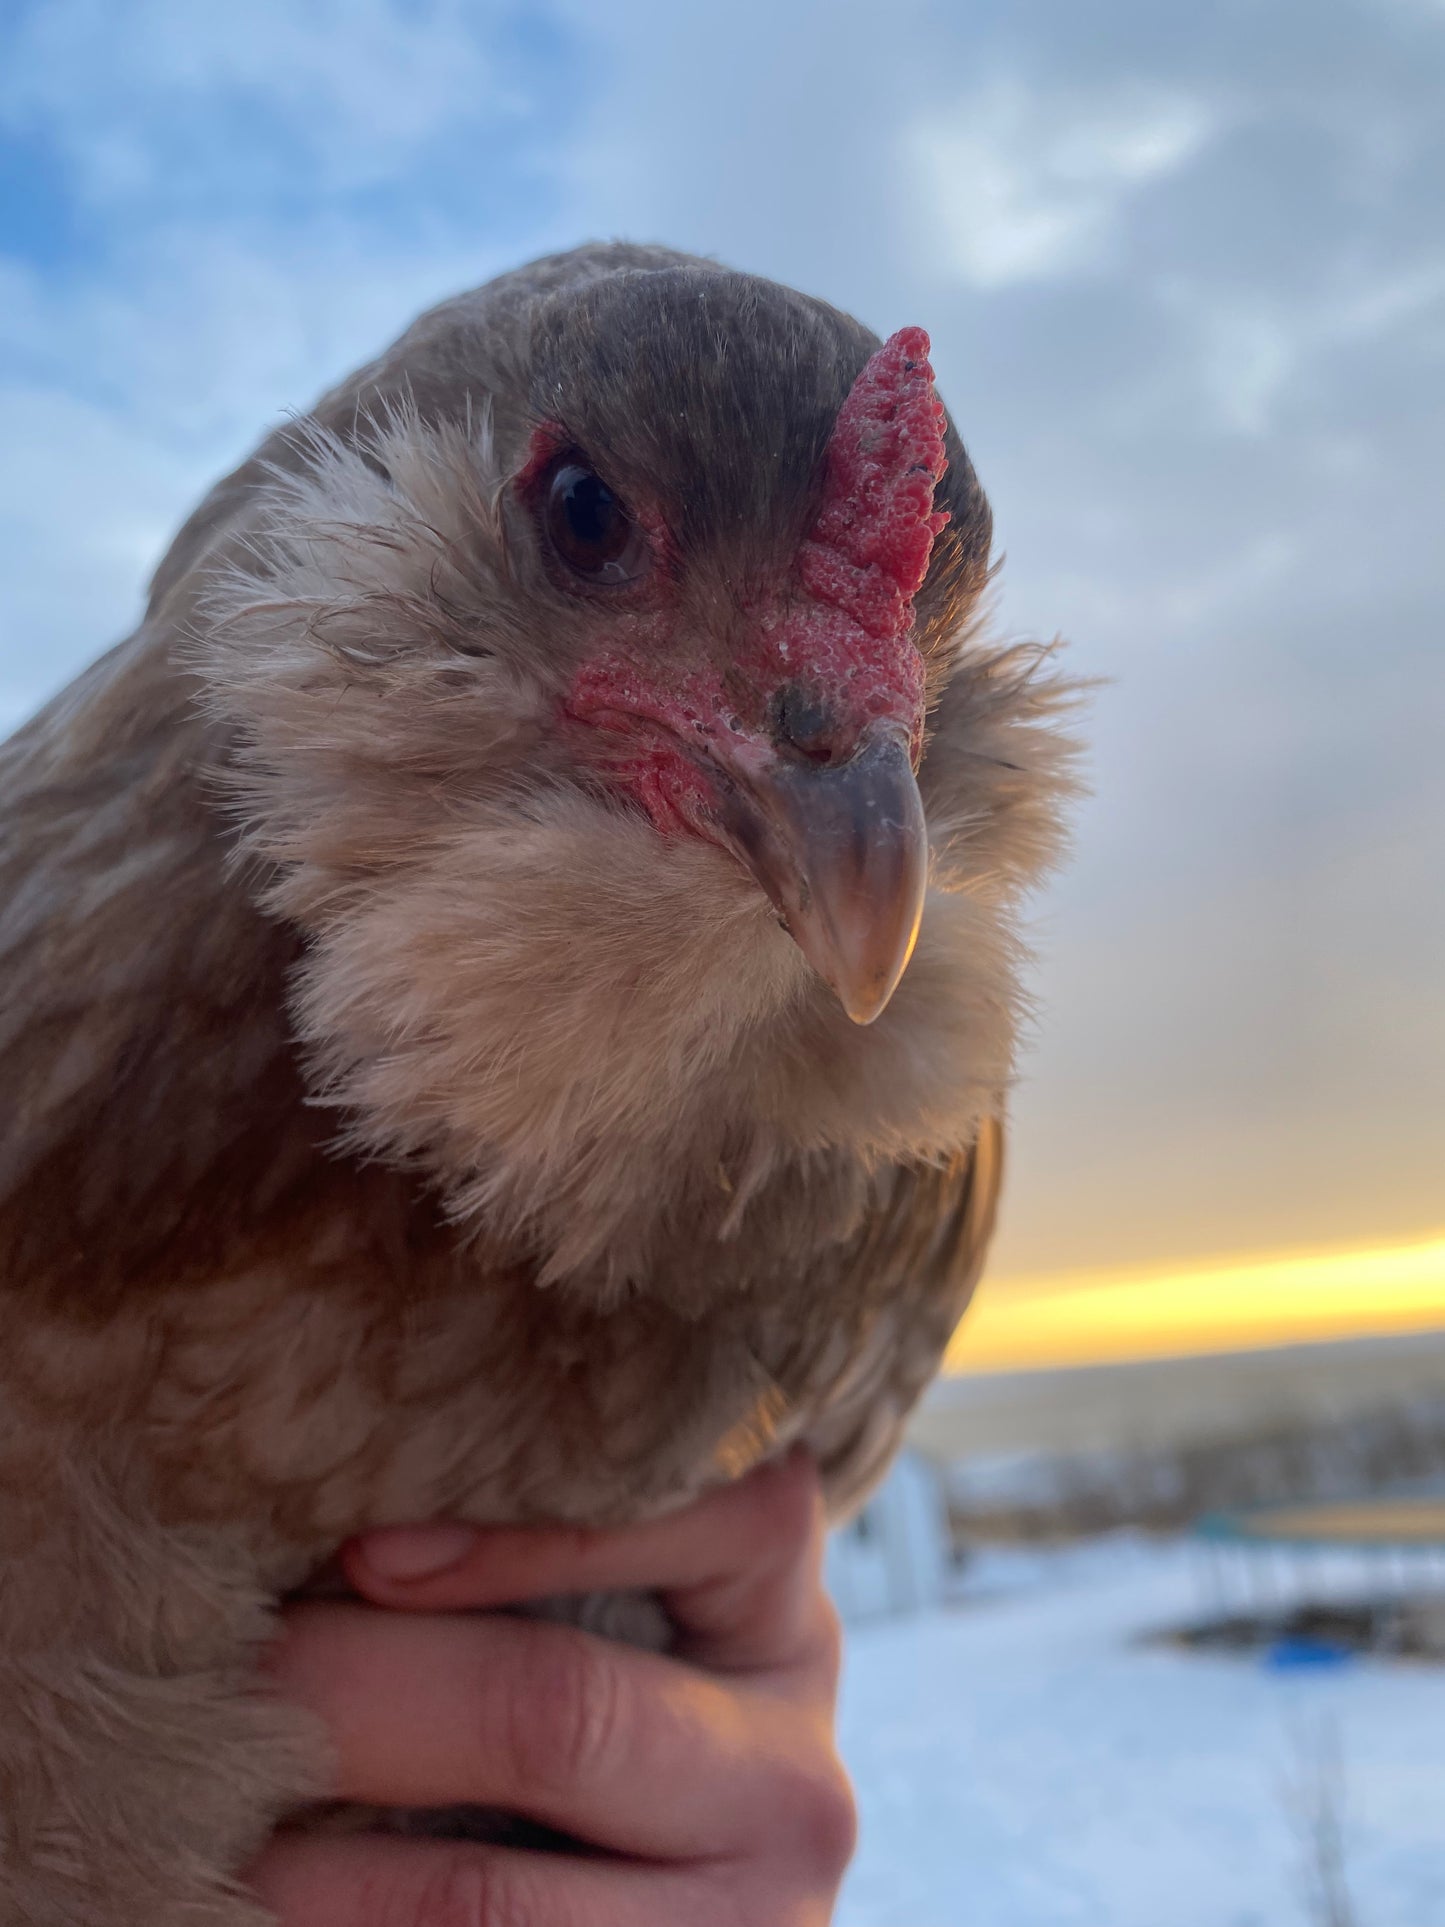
<point>867,551</point>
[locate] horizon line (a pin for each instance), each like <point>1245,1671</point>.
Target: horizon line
<point>1249,1303</point>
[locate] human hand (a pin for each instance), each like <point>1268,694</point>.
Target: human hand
<point>708,1781</point>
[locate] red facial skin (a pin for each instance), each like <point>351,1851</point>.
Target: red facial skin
<point>841,632</point>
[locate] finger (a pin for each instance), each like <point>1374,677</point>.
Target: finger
<point>739,1572</point>
<point>313,1881</point>
<point>625,1749</point>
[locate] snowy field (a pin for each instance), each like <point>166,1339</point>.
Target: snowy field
<point>1020,1762</point>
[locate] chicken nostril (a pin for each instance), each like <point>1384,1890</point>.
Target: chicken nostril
<point>804,724</point>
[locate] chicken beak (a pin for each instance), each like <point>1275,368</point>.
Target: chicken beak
<point>842,851</point>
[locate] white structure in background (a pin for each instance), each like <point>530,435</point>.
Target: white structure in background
<point>894,1556</point>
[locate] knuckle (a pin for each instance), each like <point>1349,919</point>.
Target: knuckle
<point>823,1818</point>
<point>565,1712</point>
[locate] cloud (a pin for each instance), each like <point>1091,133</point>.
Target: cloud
<point>158,97</point>
<point>1252,350</point>
<point>1024,183</point>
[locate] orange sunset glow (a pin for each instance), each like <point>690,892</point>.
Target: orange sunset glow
<point>1100,1317</point>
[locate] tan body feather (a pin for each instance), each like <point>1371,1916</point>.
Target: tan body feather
<point>383,1140</point>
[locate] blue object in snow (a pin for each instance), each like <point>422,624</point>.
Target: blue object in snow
<point>1292,1654</point>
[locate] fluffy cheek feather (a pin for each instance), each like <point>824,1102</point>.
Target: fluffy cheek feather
<point>530,1005</point>
<point>585,1033</point>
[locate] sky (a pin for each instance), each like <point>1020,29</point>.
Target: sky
<point>1184,270</point>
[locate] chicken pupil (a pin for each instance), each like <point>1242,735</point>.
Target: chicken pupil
<point>591,529</point>
<point>591,509</point>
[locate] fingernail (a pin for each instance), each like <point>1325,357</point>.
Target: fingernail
<point>416,1552</point>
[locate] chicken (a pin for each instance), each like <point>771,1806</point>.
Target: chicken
<point>509,987</point>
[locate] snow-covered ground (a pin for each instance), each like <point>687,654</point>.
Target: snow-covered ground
<point>1021,1762</point>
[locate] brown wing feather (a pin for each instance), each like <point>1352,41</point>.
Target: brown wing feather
<point>920,1256</point>
<point>150,1084</point>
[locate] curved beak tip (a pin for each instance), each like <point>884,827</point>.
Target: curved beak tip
<point>862,937</point>
<point>866,991</point>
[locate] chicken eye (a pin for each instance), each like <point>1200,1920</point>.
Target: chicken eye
<point>590,529</point>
